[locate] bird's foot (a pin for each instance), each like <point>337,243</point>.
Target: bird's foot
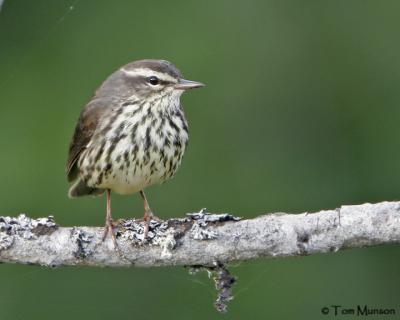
<point>109,229</point>
<point>148,216</point>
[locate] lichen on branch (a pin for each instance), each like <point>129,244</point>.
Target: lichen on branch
<point>200,239</point>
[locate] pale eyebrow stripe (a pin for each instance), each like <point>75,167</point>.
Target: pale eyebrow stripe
<point>145,72</point>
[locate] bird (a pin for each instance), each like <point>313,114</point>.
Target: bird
<point>132,134</point>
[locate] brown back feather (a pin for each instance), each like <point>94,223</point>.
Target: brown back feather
<point>88,121</point>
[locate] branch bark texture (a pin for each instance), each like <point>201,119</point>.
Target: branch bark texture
<point>200,239</point>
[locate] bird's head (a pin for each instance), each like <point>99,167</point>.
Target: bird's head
<point>147,80</point>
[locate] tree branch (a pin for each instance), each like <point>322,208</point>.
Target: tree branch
<point>200,239</point>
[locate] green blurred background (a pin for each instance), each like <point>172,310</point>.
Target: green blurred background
<point>300,113</point>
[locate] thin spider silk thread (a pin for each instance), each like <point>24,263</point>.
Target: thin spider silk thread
<point>38,43</point>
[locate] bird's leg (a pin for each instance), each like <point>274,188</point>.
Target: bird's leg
<point>109,227</point>
<point>148,214</point>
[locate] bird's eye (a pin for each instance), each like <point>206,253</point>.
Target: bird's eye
<point>153,80</point>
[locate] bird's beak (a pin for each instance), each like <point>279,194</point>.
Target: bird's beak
<point>187,84</point>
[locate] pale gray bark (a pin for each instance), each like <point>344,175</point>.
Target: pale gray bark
<point>200,239</point>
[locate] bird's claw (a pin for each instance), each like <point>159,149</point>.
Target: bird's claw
<point>109,229</point>
<point>148,216</point>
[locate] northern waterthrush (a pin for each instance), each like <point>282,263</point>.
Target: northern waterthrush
<point>131,134</point>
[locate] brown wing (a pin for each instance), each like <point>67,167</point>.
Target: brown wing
<point>88,121</point>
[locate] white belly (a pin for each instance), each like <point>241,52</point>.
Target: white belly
<point>138,172</point>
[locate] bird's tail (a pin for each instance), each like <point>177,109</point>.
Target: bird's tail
<point>80,188</point>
